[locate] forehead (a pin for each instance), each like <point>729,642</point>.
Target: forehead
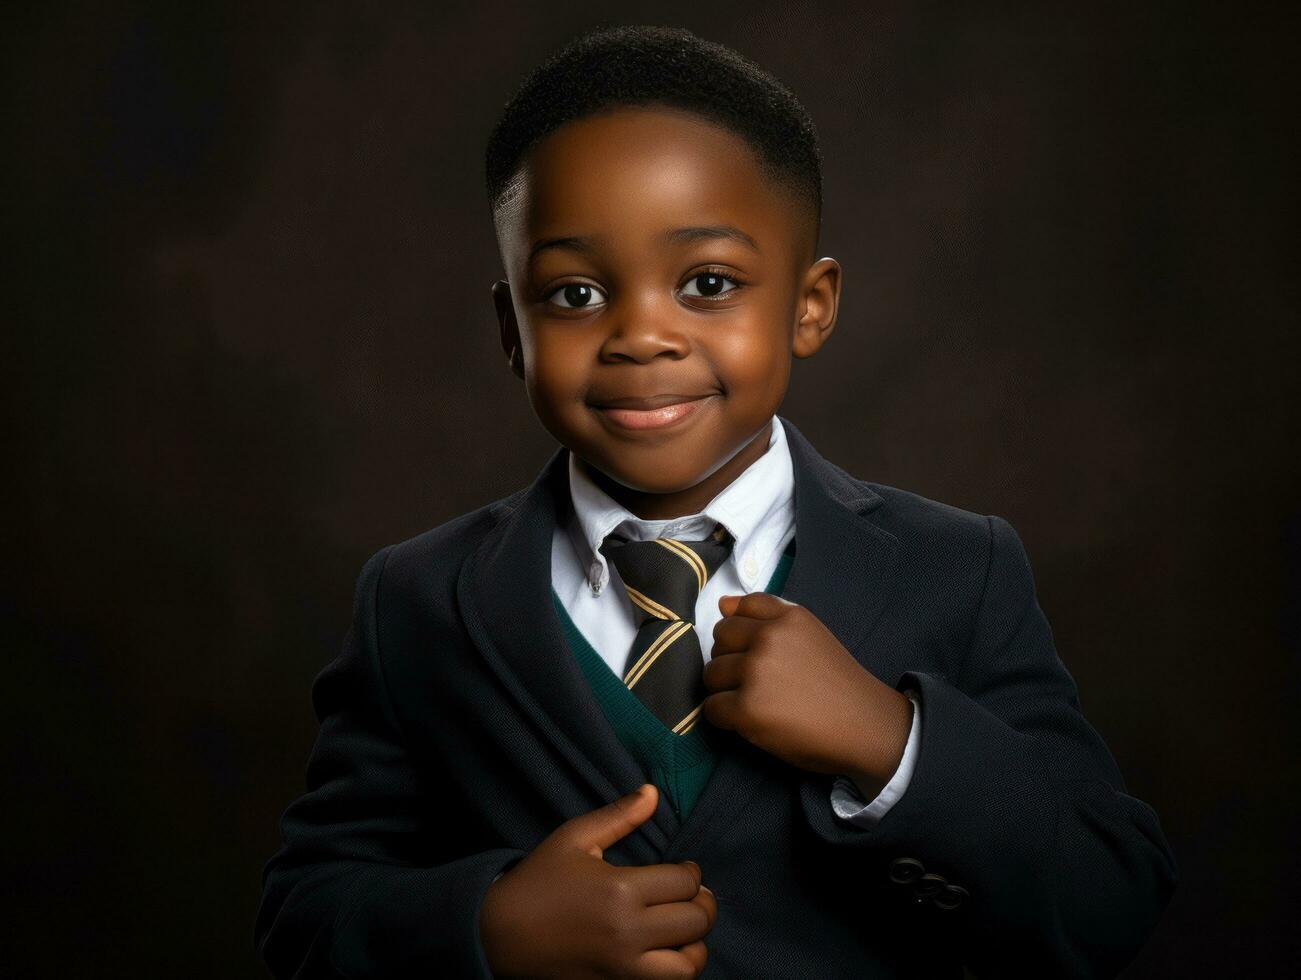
<point>624,175</point>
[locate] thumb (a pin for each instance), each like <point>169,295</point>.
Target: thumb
<point>598,829</point>
<point>727,604</point>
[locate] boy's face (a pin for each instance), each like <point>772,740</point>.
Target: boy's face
<point>610,300</point>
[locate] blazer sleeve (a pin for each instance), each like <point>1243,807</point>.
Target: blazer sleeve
<point>364,884</point>
<point>1016,801</point>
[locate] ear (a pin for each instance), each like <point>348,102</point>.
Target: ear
<point>510,342</point>
<point>819,301</point>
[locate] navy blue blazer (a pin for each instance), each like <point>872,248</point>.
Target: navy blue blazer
<point>457,731</point>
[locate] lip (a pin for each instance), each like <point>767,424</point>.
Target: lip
<point>656,412</point>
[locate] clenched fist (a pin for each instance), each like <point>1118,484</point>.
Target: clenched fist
<point>782,681</point>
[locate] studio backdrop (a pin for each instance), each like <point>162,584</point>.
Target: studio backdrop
<point>250,341</point>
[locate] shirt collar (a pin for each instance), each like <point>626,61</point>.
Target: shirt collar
<point>757,509</point>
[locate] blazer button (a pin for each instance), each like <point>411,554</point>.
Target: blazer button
<point>905,870</point>
<point>928,886</point>
<point>950,897</point>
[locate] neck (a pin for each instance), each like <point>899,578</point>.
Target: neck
<point>693,499</point>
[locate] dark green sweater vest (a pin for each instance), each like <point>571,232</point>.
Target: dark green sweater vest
<point>679,765</point>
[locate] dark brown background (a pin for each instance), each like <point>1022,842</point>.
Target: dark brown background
<point>250,342</point>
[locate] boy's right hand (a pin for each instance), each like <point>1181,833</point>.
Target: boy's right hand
<point>562,911</point>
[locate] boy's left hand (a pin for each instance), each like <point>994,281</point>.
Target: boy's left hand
<point>782,681</point>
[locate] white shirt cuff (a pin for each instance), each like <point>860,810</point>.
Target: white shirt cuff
<point>847,803</point>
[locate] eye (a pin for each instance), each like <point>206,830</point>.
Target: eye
<point>710,284</point>
<point>577,296</point>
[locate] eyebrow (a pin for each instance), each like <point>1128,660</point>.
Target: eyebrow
<point>681,235</point>
<point>675,236</point>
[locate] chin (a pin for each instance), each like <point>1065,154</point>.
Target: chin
<point>652,479</point>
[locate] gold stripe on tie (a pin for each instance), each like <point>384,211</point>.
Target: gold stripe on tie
<point>655,644</point>
<point>649,604</point>
<point>662,643</point>
<point>688,721</point>
<point>687,555</point>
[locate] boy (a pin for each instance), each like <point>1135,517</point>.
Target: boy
<point>696,702</point>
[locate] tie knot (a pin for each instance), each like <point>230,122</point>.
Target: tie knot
<point>663,577</point>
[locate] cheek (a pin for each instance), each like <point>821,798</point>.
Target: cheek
<point>558,364</point>
<point>754,362</point>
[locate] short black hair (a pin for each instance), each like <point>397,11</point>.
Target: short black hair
<point>644,65</point>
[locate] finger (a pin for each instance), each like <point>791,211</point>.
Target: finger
<point>722,710</point>
<point>697,954</point>
<point>736,605</point>
<point>695,868</point>
<point>736,633</point>
<point>655,964</point>
<point>762,605</point>
<point>705,899</point>
<point>673,924</point>
<point>724,672</point>
<point>600,828</point>
<point>656,883</point>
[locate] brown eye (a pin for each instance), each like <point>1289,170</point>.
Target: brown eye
<point>577,296</point>
<point>709,284</point>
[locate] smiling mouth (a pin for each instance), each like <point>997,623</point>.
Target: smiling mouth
<point>655,412</point>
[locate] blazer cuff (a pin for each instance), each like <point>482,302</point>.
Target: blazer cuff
<point>846,801</point>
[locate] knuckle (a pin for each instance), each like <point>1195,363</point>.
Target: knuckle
<point>621,934</point>
<point>620,893</point>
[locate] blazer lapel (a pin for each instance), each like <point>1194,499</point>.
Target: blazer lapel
<point>841,573</point>
<point>843,561</point>
<point>504,591</point>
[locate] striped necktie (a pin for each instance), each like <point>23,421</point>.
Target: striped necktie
<point>663,578</point>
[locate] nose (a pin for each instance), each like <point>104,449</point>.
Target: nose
<point>643,329</point>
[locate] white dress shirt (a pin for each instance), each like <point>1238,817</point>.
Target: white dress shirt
<point>758,510</point>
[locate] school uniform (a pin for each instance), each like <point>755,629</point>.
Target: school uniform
<point>758,511</point>
<point>477,704</point>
